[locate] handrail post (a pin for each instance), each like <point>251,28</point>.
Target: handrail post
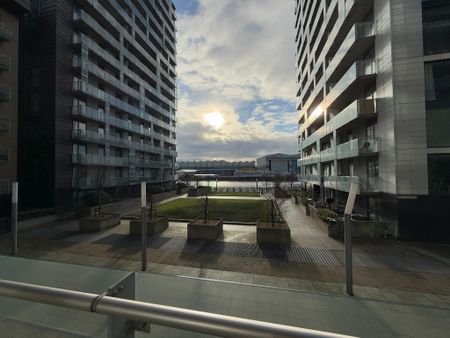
<point>14,203</point>
<point>144,225</point>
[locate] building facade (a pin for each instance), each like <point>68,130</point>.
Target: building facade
<point>100,104</point>
<point>277,164</point>
<point>373,102</point>
<point>10,14</point>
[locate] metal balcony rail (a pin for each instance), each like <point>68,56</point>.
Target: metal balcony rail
<point>4,62</point>
<point>5,32</point>
<point>179,318</point>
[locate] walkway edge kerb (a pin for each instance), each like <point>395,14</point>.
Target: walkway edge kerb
<point>183,220</point>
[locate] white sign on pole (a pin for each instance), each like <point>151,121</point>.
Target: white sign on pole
<point>354,190</point>
<point>15,192</point>
<point>143,194</point>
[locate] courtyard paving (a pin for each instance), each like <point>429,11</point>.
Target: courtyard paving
<point>384,270</point>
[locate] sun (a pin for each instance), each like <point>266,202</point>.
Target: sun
<point>214,119</point>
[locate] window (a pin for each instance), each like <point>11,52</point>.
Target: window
<point>79,125</point>
<point>436,26</point>
<point>439,174</point>
<point>79,149</point>
<point>101,151</point>
<point>437,93</point>
<point>372,167</point>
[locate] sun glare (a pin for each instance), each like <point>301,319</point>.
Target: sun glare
<point>215,119</point>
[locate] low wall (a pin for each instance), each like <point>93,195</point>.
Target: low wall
<point>126,205</point>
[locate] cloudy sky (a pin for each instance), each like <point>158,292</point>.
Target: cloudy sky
<point>236,72</point>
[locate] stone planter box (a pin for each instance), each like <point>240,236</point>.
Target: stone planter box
<point>210,231</point>
<point>97,224</point>
<point>155,225</point>
<point>273,236</point>
<point>362,229</point>
<point>312,211</point>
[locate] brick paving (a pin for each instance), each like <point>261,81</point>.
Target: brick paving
<point>390,266</point>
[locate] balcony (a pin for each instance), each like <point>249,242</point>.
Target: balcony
<point>356,43</point>
<point>4,155</point>
<point>356,148</point>
<point>82,19</point>
<point>359,75</point>
<point>342,183</point>
<point>5,32</point>
<point>359,110</point>
<point>88,136</point>
<point>82,87</point>
<point>5,124</point>
<point>92,159</point>
<point>5,187</point>
<point>310,178</point>
<point>88,113</point>
<point>4,62</point>
<point>5,94</point>
<point>310,159</point>
<point>327,155</point>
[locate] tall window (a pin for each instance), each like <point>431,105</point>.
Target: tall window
<point>437,93</point>
<point>436,26</point>
<point>439,174</point>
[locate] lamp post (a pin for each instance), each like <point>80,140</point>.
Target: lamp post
<point>14,202</point>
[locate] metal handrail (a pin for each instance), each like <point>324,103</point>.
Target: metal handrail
<point>179,318</point>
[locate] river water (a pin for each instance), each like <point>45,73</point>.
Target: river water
<point>242,184</point>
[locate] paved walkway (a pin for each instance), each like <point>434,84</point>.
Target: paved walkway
<point>382,314</point>
<point>315,259</point>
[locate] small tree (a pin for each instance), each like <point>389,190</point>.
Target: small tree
<point>205,205</point>
<point>277,179</point>
<point>99,181</point>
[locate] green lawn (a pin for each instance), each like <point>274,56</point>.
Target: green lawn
<point>238,194</point>
<point>229,210</point>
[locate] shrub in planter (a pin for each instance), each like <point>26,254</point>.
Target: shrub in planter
<point>327,216</point>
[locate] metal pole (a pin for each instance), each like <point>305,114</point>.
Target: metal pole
<point>348,255</point>
<point>144,225</point>
<point>179,318</point>
<point>14,202</point>
<point>354,190</point>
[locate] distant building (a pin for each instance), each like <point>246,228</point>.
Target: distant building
<point>223,168</point>
<point>277,164</point>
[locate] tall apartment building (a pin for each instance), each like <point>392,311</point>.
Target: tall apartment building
<point>374,106</point>
<point>10,14</point>
<point>100,101</point>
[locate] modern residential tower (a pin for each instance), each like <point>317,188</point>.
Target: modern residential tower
<point>99,105</point>
<point>374,107</point>
<point>10,14</point>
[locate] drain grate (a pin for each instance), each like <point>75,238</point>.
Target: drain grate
<point>312,256</point>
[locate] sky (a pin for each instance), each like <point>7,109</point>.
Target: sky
<point>236,79</point>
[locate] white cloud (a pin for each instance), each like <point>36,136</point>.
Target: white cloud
<point>232,52</point>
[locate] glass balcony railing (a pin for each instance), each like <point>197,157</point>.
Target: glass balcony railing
<point>358,69</point>
<point>93,114</point>
<point>4,187</point>
<point>343,183</point>
<point>88,136</point>
<point>5,32</point>
<point>359,31</point>
<point>92,159</point>
<point>310,178</point>
<point>5,124</point>
<point>328,154</point>
<point>357,109</point>
<point>4,155</point>
<point>357,147</point>
<point>81,16</point>
<point>311,159</point>
<point>4,62</point>
<point>5,94</point>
